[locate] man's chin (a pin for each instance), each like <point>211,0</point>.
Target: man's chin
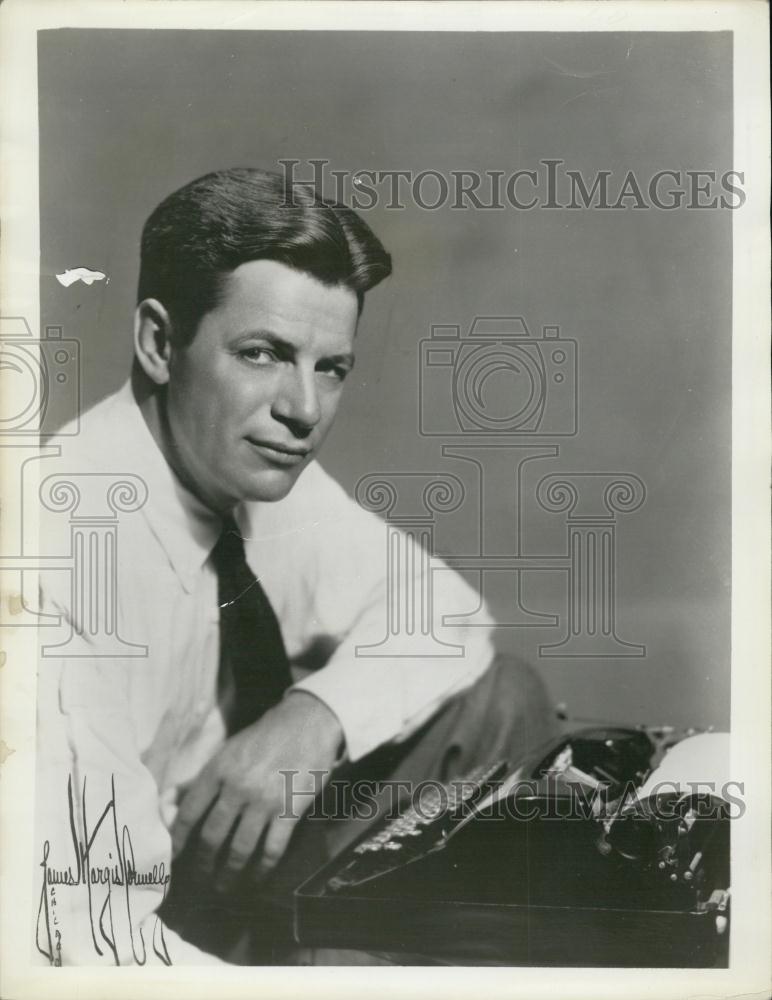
<point>270,485</point>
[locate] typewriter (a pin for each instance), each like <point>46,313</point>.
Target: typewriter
<point>597,850</point>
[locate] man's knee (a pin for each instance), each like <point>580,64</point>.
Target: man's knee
<point>504,715</point>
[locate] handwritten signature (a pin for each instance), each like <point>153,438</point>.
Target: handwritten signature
<point>119,877</point>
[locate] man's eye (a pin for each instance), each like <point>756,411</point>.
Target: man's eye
<point>258,355</point>
<point>336,372</point>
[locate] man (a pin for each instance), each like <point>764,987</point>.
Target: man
<point>246,583</point>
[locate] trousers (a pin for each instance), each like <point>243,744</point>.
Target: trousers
<point>503,716</point>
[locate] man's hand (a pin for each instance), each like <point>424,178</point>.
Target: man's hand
<point>300,734</point>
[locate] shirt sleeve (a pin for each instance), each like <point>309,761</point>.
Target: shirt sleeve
<point>103,852</point>
<point>399,655</point>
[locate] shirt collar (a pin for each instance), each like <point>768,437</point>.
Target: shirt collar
<point>185,529</point>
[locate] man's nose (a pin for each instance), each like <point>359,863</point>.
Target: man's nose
<point>297,400</point>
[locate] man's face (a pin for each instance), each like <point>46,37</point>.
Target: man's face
<point>251,398</point>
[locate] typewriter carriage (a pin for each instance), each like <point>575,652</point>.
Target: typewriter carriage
<point>555,862</point>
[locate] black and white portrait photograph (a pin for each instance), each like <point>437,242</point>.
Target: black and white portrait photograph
<point>385,549</point>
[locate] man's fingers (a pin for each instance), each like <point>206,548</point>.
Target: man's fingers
<point>243,845</point>
<point>216,828</point>
<point>245,839</point>
<point>194,805</point>
<point>276,840</point>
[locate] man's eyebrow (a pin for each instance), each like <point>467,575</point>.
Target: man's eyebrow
<point>269,335</point>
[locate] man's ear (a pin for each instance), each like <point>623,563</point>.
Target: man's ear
<point>153,332</point>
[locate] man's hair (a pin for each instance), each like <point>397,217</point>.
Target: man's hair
<point>205,230</point>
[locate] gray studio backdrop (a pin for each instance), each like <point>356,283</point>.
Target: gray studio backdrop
<point>127,116</point>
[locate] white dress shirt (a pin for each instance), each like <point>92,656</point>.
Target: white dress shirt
<point>144,725</point>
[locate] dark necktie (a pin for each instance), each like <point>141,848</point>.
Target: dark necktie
<point>251,645</point>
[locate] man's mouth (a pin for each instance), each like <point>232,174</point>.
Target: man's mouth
<point>280,454</point>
